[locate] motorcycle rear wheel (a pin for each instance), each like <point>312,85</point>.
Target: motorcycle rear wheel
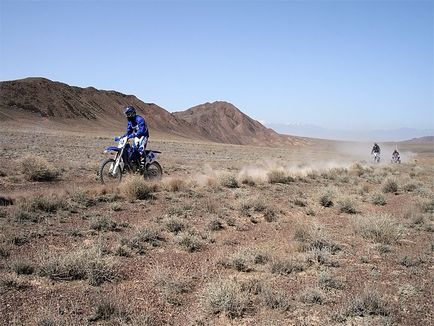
<point>153,171</point>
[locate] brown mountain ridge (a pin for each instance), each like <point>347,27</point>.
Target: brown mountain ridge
<point>32,100</point>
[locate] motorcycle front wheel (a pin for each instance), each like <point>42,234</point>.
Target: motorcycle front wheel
<point>107,175</point>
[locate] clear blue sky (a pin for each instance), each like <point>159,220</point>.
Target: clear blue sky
<point>337,64</point>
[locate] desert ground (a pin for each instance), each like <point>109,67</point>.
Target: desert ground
<point>232,235</point>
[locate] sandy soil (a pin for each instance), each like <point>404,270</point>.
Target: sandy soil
<point>232,235</point>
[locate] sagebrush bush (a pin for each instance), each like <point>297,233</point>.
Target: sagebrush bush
<point>136,187</point>
<point>240,261</point>
<point>311,295</point>
<point>326,198</point>
<point>47,203</point>
<point>279,176</point>
<point>22,267</point>
<point>174,224</point>
<point>378,198</point>
<point>12,281</point>
<point>347,205</point>
<point>215,224</point>
<point>287,266</point>
<point>36,168</point>
<point>275,298</point>
<point>103,223</point>
<point>378,228</point>
<point>368,303</point>
<point>327,281</point>
<point>190,242</point>
<point>87,264</point>
<point>255,204</point>
<point>226,297</point>
<point>312,237</point>
<point>83,197</point>
<point>106,308</point>
<point>228,180</point>
<point>246,179</point>
<point>390,185</point>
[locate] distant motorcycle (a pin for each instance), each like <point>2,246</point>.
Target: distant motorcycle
<point>127,159</point>
<point>376,157</point>
<point>396,159</point>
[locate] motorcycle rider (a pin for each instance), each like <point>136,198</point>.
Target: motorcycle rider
<point>375,149</point>
<point>395,155</point>
<point>137,129</point>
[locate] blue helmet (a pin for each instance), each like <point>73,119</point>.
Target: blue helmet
<point>130,112</point>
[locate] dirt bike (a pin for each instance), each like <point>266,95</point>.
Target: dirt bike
<point>376,157</point>
<point>396,159</point>
<point>128,160</point>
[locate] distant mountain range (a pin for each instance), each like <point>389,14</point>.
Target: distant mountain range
<point>314,131</point>
<point>45,103</point>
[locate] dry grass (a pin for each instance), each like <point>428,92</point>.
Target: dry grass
<point>297,269</point>
<point>87,263</point>
<point>348,205</point>
<point>327,282</point>
<point>279,176</point>
<point>368,303</point>
<point>312,295</point>
<point>275,298</point>
<point>326,198</point>
<point>174,224</point>
<point>13,282</point>
<point>379,228</point>
<point>190,242</point>
<point>226,297</point>
<point>103,223</point>
<point>390,185</point>
<point>36,168</point>
<point>228,180</point>
<point>378,198</point>
<point>136,187</point>
<point>22,267</point>
<point>288,266</point>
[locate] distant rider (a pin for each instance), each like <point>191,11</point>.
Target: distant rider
<point>375,149</point>
<point>395,155</point>
<point>136,129</point>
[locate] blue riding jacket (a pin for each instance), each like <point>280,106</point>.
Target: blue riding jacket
<point>137,127</point>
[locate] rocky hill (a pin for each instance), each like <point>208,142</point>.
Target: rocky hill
<point>32,100</point>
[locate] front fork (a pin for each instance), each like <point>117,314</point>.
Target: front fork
<point>118,163</point>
